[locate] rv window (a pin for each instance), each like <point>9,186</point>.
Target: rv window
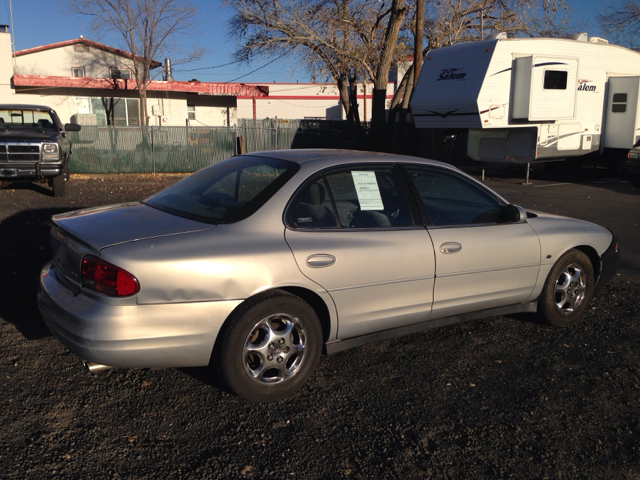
<point>555,80</point>
<point>619,104</point>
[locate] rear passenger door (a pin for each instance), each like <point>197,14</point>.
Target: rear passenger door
<point>351,231</point>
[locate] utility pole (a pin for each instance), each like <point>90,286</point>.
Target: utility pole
<point>13,38</point>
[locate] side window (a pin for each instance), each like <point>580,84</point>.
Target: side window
<point>619,104</point>
<point>358,197</point>
<point>555,80</point>
<point>313,208</point>
<point>451,199</point>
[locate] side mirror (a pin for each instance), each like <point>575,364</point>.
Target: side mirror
<point>72,127</point>
<point>515,214</point>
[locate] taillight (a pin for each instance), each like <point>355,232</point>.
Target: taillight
<point>106,278</point>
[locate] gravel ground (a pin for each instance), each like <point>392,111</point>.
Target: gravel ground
<point>504,397</point>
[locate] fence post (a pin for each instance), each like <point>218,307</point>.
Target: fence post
<point>235,142</point>
<point>276,142</point>
<point>153,153</point>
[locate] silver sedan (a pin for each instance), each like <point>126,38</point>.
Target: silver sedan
<point>258,264</point>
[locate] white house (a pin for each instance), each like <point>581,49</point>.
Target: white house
<point>92,83</point>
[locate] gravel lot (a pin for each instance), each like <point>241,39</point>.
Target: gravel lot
<point>504,397</point>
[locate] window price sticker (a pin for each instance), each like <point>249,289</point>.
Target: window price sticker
<point>367,190</point>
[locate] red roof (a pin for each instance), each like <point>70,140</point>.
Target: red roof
<point>82,41</point>
<point>201,88</point>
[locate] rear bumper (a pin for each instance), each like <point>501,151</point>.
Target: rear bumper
<point>137,336</point>
<point>609,260</point>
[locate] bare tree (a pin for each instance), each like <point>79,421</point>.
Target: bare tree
<point>451,21</point>
<point>147,28</point>
<point>621,20</point>
<point>342,39</point>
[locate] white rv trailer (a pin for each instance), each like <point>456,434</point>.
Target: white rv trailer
<point>534,99</point>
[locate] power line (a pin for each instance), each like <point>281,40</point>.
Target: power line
<point>207,68</point>
<point>259,68</point>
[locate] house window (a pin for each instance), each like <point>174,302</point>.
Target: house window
<point>116,111</point>
<point>119,73</point>
<point>191,112</point>
<point>77,72</point>
<point>555,80</point>
<point>79,47</point>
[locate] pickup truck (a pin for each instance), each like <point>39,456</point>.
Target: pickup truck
<point>34,146</point>
<point>633,165</point>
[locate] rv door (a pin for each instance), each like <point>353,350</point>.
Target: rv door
<point>621,111</point>
<point>544,88</point>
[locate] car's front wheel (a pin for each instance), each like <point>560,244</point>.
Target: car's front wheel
<point>567,290</point>
<point>269,347</point>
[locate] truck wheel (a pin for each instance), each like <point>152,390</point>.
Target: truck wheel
<point>58,184</point>
<point>635,178</point>
<point>269,347</point>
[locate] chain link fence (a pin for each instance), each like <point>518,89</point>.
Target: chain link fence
<point>114,149</point>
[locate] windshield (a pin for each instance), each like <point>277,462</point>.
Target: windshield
<point>226,192</point>
<point>26,119</point>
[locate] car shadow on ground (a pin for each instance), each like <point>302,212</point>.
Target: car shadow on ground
<point>208,376</point>
<point>40,187</point>
<point>25,249</point>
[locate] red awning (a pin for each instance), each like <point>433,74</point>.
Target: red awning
<point>200,88</point>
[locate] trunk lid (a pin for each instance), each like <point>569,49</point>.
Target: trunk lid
<point>83,232</point>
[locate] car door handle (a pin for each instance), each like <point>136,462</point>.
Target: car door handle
<point>450,247</point>
<point>321,260</point>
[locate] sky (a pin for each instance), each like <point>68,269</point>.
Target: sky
<point>40,22</point>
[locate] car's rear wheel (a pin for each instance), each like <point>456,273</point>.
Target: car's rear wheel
<point>270,347</point>
<point>58,185</point>
<point>567,290</point>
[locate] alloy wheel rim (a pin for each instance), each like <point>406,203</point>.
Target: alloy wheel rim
<point>570,289</point>
<point>275,349</point>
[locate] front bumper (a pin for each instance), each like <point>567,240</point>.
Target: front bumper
<point>633,166</point>
<point>26,171</point>
<point>609,262</point>
<point>137,336</point>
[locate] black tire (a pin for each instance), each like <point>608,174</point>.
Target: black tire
<point>269,347</point>
<point>58,184</point>
<point>617,163</point>
<point>567,290</point>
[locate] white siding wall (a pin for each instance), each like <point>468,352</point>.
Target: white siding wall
<point>306,100</point>
<point>6,70</point>
<point>58,62</point>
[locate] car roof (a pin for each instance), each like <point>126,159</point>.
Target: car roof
<point>19,106</point>
<point>327,155</point>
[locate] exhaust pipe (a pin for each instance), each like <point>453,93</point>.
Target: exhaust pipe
<point>96,367</point>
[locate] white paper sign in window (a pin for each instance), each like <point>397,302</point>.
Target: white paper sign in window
<point>367,190</point>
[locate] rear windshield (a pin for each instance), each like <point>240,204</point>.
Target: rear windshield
<point>226,192</point>
<point>25,119</point>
